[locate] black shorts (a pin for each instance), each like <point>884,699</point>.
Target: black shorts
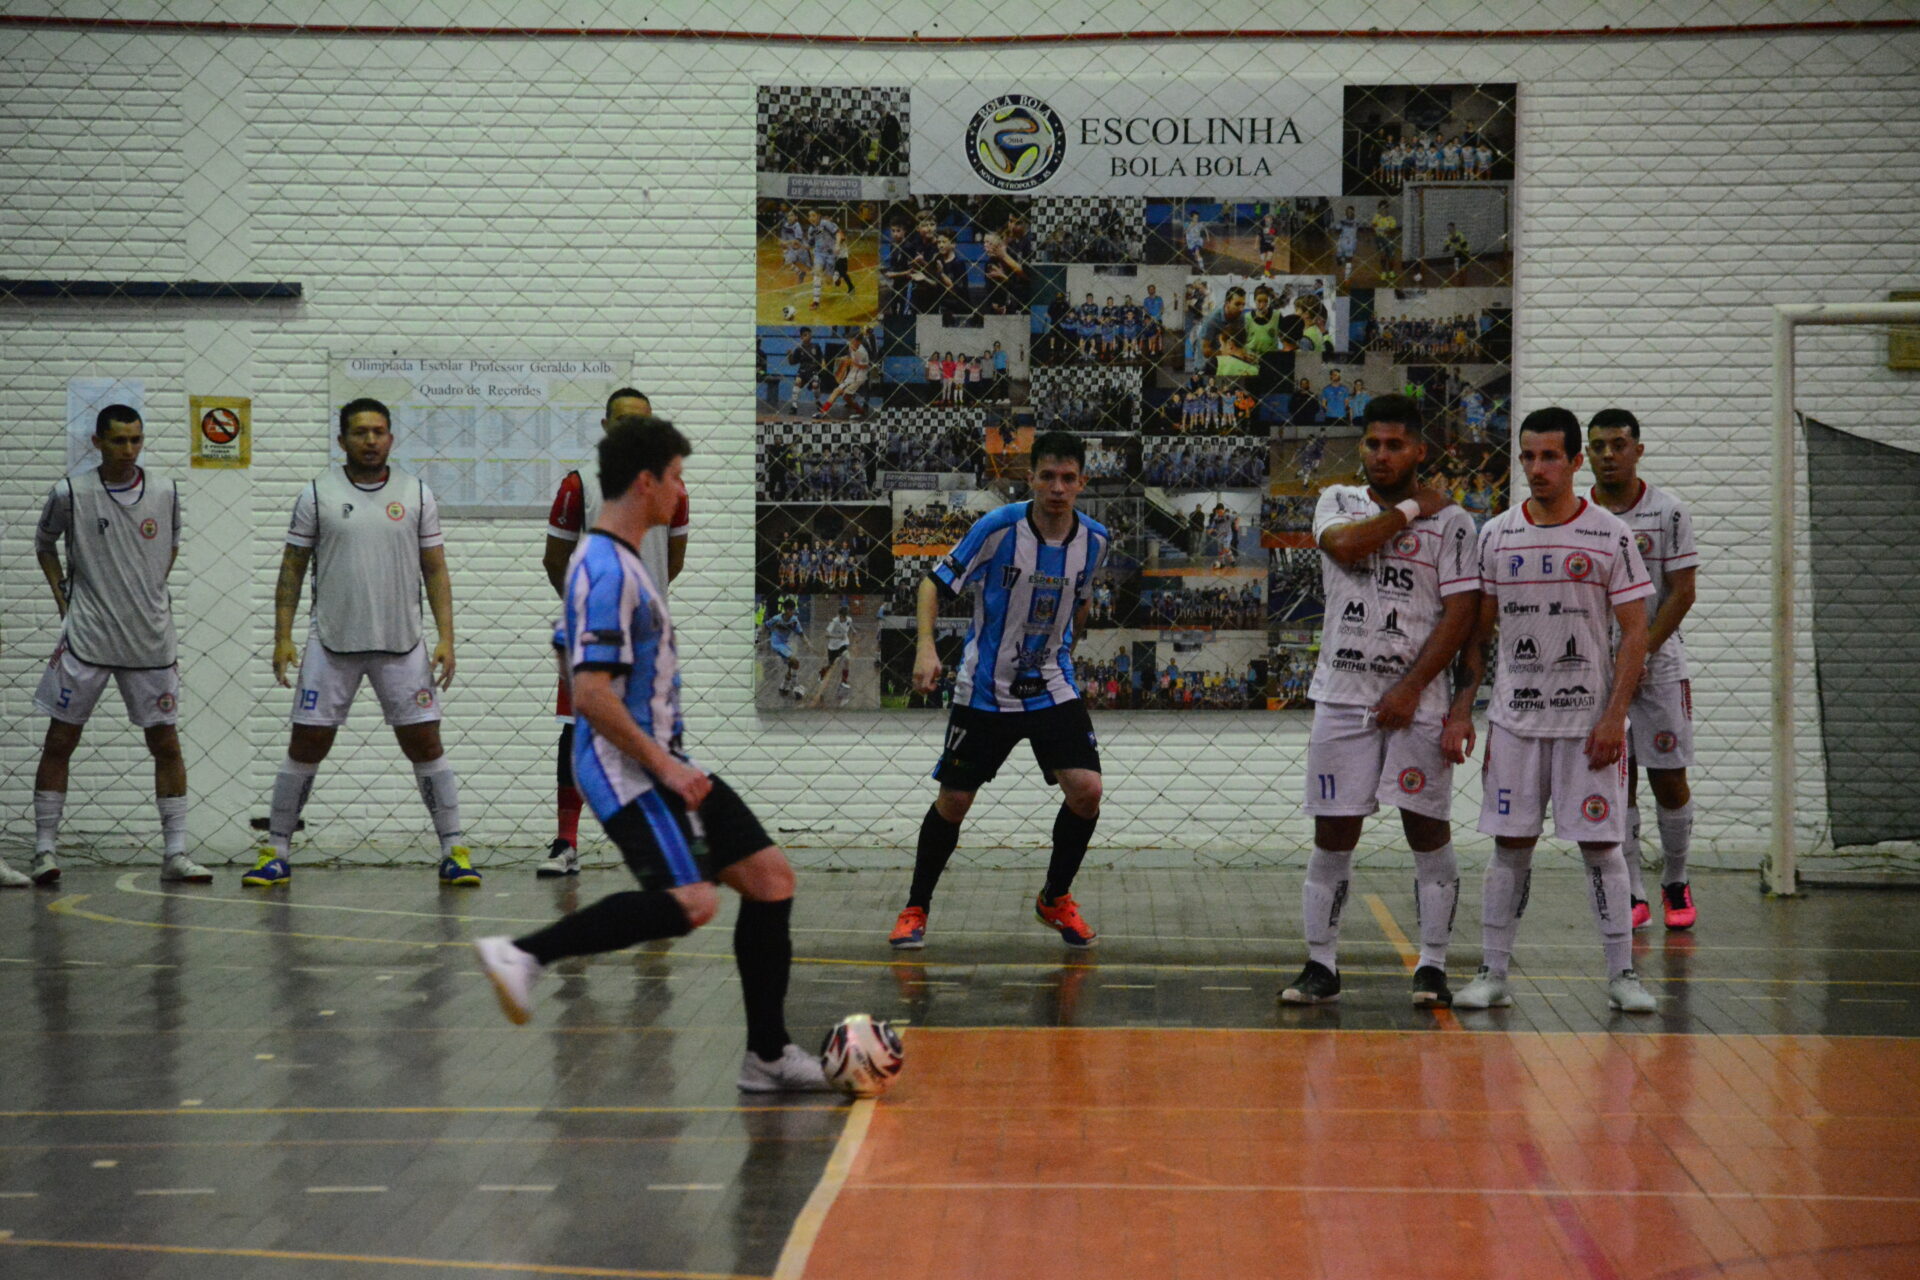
<point>979,742</point>
<point>664,848</point>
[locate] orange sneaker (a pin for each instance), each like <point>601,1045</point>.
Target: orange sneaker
<point>910,930</point>
<point>1064,916</point>
<point>1679,905</point>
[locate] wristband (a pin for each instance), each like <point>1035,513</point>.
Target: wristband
<point>1410,509</point>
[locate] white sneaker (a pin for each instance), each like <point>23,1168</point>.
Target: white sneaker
<point>1625,993</point>
<point>794,1071</point>
<point>45,871</point>
<point>11,879</point>
<point>180,868</point>
<point>562,860</point>
<point>1484,992</point>
<point>512,972</point>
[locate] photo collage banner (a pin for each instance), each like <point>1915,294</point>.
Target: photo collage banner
<point>1208,291</point>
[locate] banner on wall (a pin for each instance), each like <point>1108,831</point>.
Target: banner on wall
<point>1134,137</point>
<point>222,428</point>
<point>1213,333</point>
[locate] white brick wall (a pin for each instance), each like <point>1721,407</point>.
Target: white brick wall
<point>528,197</point>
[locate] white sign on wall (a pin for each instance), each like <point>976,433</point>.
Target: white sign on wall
<point>1229,139</point>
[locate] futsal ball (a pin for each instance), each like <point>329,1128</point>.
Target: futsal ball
<point>861,1056</point>
<point>786,313</point>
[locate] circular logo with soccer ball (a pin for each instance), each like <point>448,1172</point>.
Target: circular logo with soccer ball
<point>424,698</point>
<point>1412,781</point>
<point>149,527</point>
<point>1644,541</point>
<point>166,702</point>
<point>1664,742</point>
<point>1595,809</point>
<point>1579,565</point>
<point>396,510</point>
<point>1406,543</point>
<point>1016,142</point>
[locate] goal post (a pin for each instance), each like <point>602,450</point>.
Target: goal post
<point>1780,873</point>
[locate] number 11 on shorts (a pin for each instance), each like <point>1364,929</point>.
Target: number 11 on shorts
<point>1326,786</point>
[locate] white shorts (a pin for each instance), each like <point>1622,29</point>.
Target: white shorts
<point>1354,768</point>
<point>69,690</point>
<point>328,682</point>
<point>1660,725</point>
<point>854,380</point>
<point>1521,775</point>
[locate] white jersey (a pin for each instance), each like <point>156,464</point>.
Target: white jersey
<point>120,544</point>
<point>1663,534</point>
<point>1381,611</point>
<point>839,632</point>
<point>366,542</point>
<point>653,547</point>
<point>1556,587</point>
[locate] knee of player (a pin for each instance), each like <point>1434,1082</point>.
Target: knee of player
<point>1083,794</point>
<point>698,902</point>
<point>953,805</point>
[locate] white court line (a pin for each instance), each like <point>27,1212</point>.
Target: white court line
<point>1129,986</point>
<point>19,1195</point>
<point>686,1186</point>
<point>178,1191</point>
<point>813,1215</point>
<point>1536,1193</point>
<point>345,1191</point>
<point>1226,988</point>
<point>503,1186</point>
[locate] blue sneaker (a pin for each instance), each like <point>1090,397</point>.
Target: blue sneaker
<point>457,867</point>
<point>270,872</point>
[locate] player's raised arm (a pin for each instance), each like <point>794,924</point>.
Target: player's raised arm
<point>1351,541</point>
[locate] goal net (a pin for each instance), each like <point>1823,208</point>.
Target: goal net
<point>1481,211</point>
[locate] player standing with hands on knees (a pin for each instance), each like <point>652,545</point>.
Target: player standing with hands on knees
<point>1032,567</point>
<point>678,827</point>
<point>122,528</point>
<point>372,534</point>
<point>1555,570</point>
<point>1402,582</point>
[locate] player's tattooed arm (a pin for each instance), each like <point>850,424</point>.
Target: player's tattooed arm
<point>1476,656</point>
<point>50,566</point>
<point>286,602</point>
<point>433,572</point>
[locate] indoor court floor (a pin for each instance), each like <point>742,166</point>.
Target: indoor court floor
<point>214,1083</point>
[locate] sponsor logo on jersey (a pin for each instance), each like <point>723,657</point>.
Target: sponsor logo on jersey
<point>423,698</point>
<point>1406,542</point>
<point>396,511</point>
<point>149,527</point>
<point>1349,660</point>
<point>1391,627</point>
<point>1526,654</point>
<point>103,524</point>
<point>1526,700</point>
<point>1514,606</point>
<point>1579,566</point>
<point>1049,580</point>
<point>346,509</point>
<point>1557,610</point>
<point>1644,541</point>
<point>1571,698</point>
<point>1412,781</point>
<point>1595,808</point>
<point>1514,565</point>
<point>1356,611</point>
<point>1572,657</point>
<point>1664,742</point>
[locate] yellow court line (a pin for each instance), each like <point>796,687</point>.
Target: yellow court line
<point>7,1238</point>
<point>813,1215</point>
<point>1409,954</point>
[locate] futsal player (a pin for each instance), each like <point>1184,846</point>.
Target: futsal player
<point>1346,243</point>
<point>372,534</point>
<point>1553,569</point>
<point>1661,719</point>
<point>782,628</point>
<point>853,369</point>
<point>1196,240</point>
<point>679,827</point>
<point>825,234</point>
<point>1400,567</point>
<point>1269,236</point>
<point>1031,566</point>
<point>122,528</point>
<point>1386,243</point>
<point>575,507</point>
<point>839,648</point>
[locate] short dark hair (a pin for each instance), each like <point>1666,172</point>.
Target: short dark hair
<point>1553,419</point>
<point>1236,292</point>
<point>1615,417</point>
<point>628,393</point>
<point>111,414</point>
<point>635,443</point>
<point>1062,445</point>
<point>365,404</point>
<point>1394,408</point>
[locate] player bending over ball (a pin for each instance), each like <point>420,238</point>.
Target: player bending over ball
<point>1553,570</point>
<point>679,828</point>
<point>1032,566</point>
<point>122,528</point>
<point>1661,718</point>
<point>372,534</point>
<point>1402,581</point>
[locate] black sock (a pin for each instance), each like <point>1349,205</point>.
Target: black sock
<point>610,924</point>
<point>1071,832</point>
<point>938,839</point>
<point>763,952</point>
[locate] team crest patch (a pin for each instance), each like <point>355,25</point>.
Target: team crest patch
<point>1595,808</point>
<point>396,510</point>
<point>1644,541</point>
<point>166,702</point>
<point>149,527</point>
<point>424,698</point>
<point>1412,781</point>
<point>1664,742</point>
<point>1579,565</point>
<point>1406,542</point>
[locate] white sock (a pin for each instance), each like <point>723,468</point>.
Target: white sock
<point>1321,899</point>
<point>1436,895</point>
<point>1630,847</point>
<point>441,791</point>
<point>291,787</point>
<point>1503,900</point>
<point>47,808</point>
<point>173,824</point>
<point>1607,895</point>
<point>1676,837</point>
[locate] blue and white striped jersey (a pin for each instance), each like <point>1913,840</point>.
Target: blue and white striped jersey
<point>1017,655</point>
<point>616,621</point>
